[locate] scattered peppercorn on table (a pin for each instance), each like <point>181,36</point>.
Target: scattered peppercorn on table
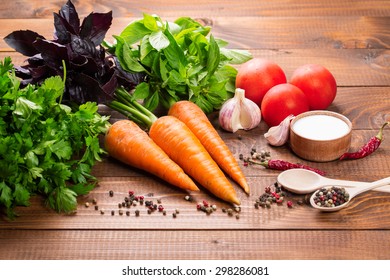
<point>134,215</point>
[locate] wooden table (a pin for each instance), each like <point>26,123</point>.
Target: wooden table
<point>350,38</point>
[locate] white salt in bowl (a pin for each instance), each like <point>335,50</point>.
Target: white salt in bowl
<point>320,135</point>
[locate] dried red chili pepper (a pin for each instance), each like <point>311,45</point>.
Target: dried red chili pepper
<point>371,146</point>
<point>284,165</point>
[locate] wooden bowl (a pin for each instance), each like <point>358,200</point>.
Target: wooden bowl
<point>320,135</point>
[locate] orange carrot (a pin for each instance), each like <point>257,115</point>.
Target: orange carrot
<point>127,142</point>
<point>197,121</point>
<point>184,148</point>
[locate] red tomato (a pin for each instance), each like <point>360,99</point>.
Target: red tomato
<point>257,76</point>
<point>281,101</point>
<point>317,83</point>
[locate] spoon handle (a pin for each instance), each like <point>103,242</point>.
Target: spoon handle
<point>346,183</point>
<point>370,186</point>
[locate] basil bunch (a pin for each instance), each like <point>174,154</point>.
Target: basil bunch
<point>181,60</point>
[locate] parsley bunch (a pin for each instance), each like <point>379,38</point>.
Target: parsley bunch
<point>45,147</point>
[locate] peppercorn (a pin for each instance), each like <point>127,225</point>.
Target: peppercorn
<point>137,212</point>
<point>127,213</point>
<point>111,193</point>
<point>102,211</point>
<point>289,204</point>
<point>96,207</point>
<point>174,214</point>
<point>112,212</point>
<point>87,204</point>
<point>120,212</point>
<point>94,201</point>
<point>335,196</point>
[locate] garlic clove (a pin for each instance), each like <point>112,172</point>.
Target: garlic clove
<point>278,135</point>
<point>239,113</point>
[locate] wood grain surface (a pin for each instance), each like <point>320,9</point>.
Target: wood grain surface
<point>350,38</point>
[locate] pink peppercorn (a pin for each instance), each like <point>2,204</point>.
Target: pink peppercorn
<point>160,208</point>
<point>131,193</point>
<point>276,195</point>
<point>289,204</point>
<point>205,203</point>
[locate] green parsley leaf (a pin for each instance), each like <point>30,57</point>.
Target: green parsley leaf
<point>46,148</point>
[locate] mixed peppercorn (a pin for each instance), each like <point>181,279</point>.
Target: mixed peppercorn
<point>274,194</point>
<point>331,197</point>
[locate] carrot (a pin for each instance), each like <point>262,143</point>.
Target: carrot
<point>127,142</point>
<point>197,121</point>
<point>183,147</point>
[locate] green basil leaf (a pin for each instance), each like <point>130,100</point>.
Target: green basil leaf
<point>158,40</point>
<point>133,33</point>
<point>236,56</point>
<point>173,53</point>
<point>127,57</point>
<point>141,91</point>
<point>213,57</point>
<point>152,101</point>
<point>150,22</point>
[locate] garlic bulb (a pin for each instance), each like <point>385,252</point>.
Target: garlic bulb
<point>239,113</point>
<point>278,135</point>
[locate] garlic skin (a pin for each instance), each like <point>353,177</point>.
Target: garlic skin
<point>278,135</point>
<point>239,113</point>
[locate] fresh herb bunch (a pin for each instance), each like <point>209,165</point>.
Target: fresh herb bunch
<point>181,59</point>
<point>91,75</point>
<point>45,147</point>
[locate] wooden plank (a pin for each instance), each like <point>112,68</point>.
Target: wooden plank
<point>195,245</point>
<point>264,32</point>
<point>368,211</point>
<point>351,68</point>
<point>209,8</point>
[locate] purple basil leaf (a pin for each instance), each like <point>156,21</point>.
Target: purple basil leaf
<point>95,27</point>
<point>36,60</point>
<point>39,74</point>
<point>22,72</point>
<point>109,88</point>
<point>22,41</point>
<point>69,13</point>
<point>91,89</point>
<point>83,46</point>
<point>62,29</point>
<point>52,53</point>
